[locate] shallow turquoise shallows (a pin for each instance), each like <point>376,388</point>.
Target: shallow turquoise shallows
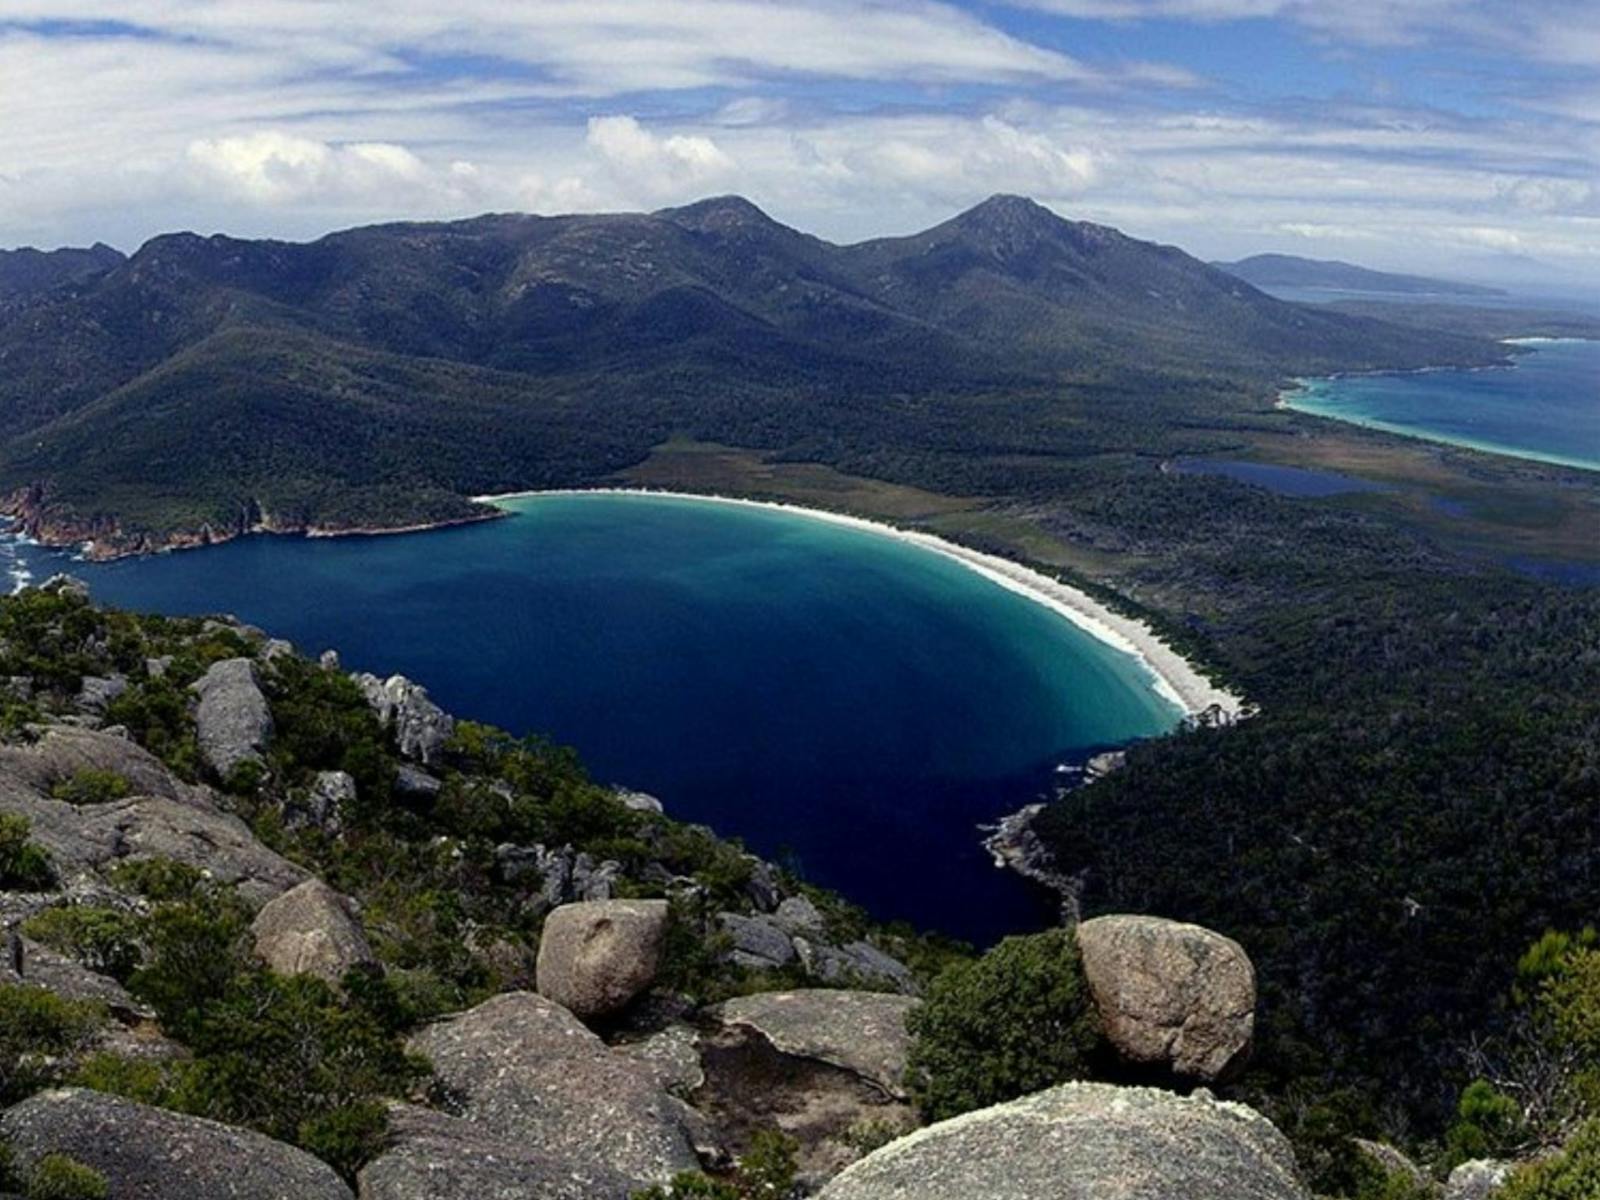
<point>1546,407</point>
<point>835,697</point>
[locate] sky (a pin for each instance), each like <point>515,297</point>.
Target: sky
<point>1454,136</point>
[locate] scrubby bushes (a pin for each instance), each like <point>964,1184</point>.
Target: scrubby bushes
<point>1573,1174</point>
<point>24,865</point>
<point>58,1177</point>
<point>765,1172</point>
<point>90,785</point>
<point>1015,1021</point>
<point>38,1030</point>
<point>105,940</point>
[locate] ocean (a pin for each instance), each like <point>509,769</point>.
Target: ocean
<point>1545,407</point>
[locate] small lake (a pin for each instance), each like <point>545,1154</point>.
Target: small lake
<point>1546,407</point>
<point>1284,481</point>
<point>837,698</point>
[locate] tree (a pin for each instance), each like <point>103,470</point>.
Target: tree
<point>1016,1021</point>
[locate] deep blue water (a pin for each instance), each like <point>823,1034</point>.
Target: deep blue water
<point>1546,407</point>
<point>1285,481</point>
<point>855,703</point>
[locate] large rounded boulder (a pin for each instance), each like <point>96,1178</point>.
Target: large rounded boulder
<point>151,1154</point>
<point>1084,1141</point>
<point>1171,996</point>
<point>596,956</point>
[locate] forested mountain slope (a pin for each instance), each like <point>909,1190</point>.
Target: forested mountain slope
<point>379,375</point>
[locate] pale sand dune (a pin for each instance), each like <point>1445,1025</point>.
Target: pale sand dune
<point>1174,677</point>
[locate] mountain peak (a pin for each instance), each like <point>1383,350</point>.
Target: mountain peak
<point>720,214</point>
<point>1006,211</point>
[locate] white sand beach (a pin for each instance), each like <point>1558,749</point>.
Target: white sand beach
<point>1174,677</point>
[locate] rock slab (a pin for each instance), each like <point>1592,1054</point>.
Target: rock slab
<point>596,956</point>
<point>1171,995</point>
<point>1084,1142</point>
<point>311,930</point>
<point>151,1154</point>
<point>434,1156</point>
<point>232,722</point>
<point>524,1070</point>
<point>420,727</point>
<point>860,1032</point>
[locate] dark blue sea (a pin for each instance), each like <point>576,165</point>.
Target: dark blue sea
<point>839,699</point>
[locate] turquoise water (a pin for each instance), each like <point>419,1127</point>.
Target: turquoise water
<point>1546,407</point>
<point>833,696</point>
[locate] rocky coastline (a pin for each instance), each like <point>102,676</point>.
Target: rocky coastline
<point>105,539</point>
<point>1014,846</point>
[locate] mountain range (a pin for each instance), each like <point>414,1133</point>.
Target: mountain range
<point>1289,271</point>
<point>379,376</point>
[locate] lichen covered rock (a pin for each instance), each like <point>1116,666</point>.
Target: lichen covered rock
<point>1084,1142</point>
<point>1170,995</point>
<point>596,956</point>
<point>151,1154</point>
<point>233,722</point>
<point>311,930</point>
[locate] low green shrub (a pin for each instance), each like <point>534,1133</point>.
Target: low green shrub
<point>765,1172</point>
<point>57,1177</point>
<point>158,879</point>
<point>38,1029</point>
<point>105,940</point>
<point>24,865</point>
<point>1488,1124</point>
<point>1015,1021</point>
<point>1573,1174</point>
<point>90,785</point>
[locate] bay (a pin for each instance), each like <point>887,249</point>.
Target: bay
<point>1546,407</point>
<point>850,704</point>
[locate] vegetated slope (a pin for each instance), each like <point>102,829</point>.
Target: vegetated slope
<point>1413,805</point>
<point>1288,270</point>
<point>26,273</point>
<point>711,318</point>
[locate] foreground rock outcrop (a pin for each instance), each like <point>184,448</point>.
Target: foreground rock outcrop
<point>860,1032</point>
<point>434,1156</point>
<point>526,1071</point>
<point>1170,995</point>
<point>152,1154</point>
<point>596,956</point>
<point>1084,1142</point>
<point>232,721</point>
<point>178,822</point>
<point>63,751</point>
<point>311,930</point>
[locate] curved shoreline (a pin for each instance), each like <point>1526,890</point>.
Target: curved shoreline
<point>1305,388</point>
<point>1175,679</point>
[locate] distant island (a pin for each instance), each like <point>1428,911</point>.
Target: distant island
<point>1288,270</point>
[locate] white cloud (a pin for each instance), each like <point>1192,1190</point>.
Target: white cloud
<point>274,168</point>
<point>654,164</point>
<point>288,117</point>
